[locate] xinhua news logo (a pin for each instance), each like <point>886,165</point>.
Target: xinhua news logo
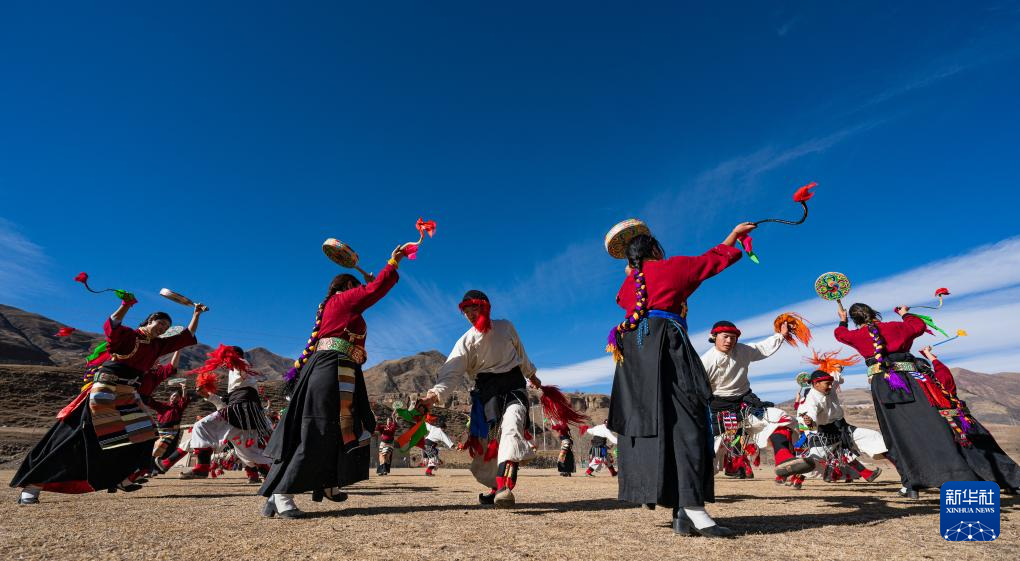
<point>970,511</point>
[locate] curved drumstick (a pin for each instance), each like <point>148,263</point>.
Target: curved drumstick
<point>802,196</point>
<point>790,222</point>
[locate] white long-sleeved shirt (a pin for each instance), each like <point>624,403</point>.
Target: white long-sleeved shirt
<point>437,434</point>
<point>823,409</point>
<point>727,372</point>
<point>236,380</point>
<point>499,350</point>
<point>603,431</point>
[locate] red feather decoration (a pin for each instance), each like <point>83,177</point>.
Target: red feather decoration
<point>224,357</point>
<point>804,194</point>
<point>426,227</point>
<point>208,382</point>
<point>557,407</point>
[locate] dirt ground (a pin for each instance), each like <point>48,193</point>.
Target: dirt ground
<point>410,516</point>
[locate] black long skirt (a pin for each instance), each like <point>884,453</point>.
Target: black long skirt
<point>660,408</point>
<point>69,459</point>
<point>569,464</point>
<point>306,446</point>
<point>922,446</point>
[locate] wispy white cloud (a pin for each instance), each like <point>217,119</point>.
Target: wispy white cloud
<point>985,51</point>
<point>784,29</point>
<point>417,316</point>
<point>22,265</point>
<point>985,302</point>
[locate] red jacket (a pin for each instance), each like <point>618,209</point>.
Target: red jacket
<point>672,281</point>
<point>899,336</point>
<point>343,310</point>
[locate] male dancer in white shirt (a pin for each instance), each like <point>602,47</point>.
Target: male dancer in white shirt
<point>491,354</point>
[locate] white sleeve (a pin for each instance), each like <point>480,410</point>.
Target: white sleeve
<point>809,408</point>
<point>766,348</point>
<point>527,368</point>
<point>837,379</point>
<point>454,369</point>
<point>706,359</point>
<point>216,400</point>
<point>445,438</point>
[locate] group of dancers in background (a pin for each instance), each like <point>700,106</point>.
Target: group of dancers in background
<point>676,418</point>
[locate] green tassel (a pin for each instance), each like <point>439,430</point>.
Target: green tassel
<point>98,351</point>
<point>931,323</point>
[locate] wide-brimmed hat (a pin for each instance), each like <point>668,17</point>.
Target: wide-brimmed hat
<point>621,234</point>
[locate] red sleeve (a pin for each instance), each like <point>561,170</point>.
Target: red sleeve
<point>115,335</point>
<point>160,407</point>
<point>163,372</point>
<point>944,376</point>
<point>363,297</point>
<point>842,335</point>
<point>713,262</point>
<point>177,342</point>
<point>915,326</point>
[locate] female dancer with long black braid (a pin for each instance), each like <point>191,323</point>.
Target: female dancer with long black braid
<point>660,399</point>
<point>321,444</point>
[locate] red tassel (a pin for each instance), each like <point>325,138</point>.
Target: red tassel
<point>65,331</point>
<point>226,357</point>
<point>208,381</point>
<point>557,407</point>
<point>935,396</point>
<point>583,429</point>
<point>474,446</point>
<point>492,451</point>
<point>483,324</point>
<point>527,435</point>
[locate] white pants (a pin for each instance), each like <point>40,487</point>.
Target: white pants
<point>512,446</point>
<point>213,430</point>
<point>596,463</point>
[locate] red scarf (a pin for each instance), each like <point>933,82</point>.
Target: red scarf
<point>482,323</point>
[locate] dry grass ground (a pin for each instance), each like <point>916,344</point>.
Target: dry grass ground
<point>408,516</point>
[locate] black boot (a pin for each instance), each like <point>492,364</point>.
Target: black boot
<point>269,511</point>
<point>910,493</point>
<point>683,526</point>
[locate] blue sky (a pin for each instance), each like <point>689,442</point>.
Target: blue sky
<point>211,149</point>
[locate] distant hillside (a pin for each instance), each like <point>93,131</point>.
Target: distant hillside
<point>993,398</point>
<point>30,339</point>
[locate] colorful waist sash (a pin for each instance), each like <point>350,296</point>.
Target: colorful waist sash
<point>118,416</point>
<point>356,353</point>
<point>896,367</point>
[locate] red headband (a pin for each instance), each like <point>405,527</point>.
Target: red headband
<point>483,323</point>
<point>726,329</point>
<point>826,378</point>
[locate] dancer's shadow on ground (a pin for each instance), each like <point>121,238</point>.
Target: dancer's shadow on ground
<point>599,505</point>
<point>867,510</point>
<point>389,488</point>
<point>199,496</point>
